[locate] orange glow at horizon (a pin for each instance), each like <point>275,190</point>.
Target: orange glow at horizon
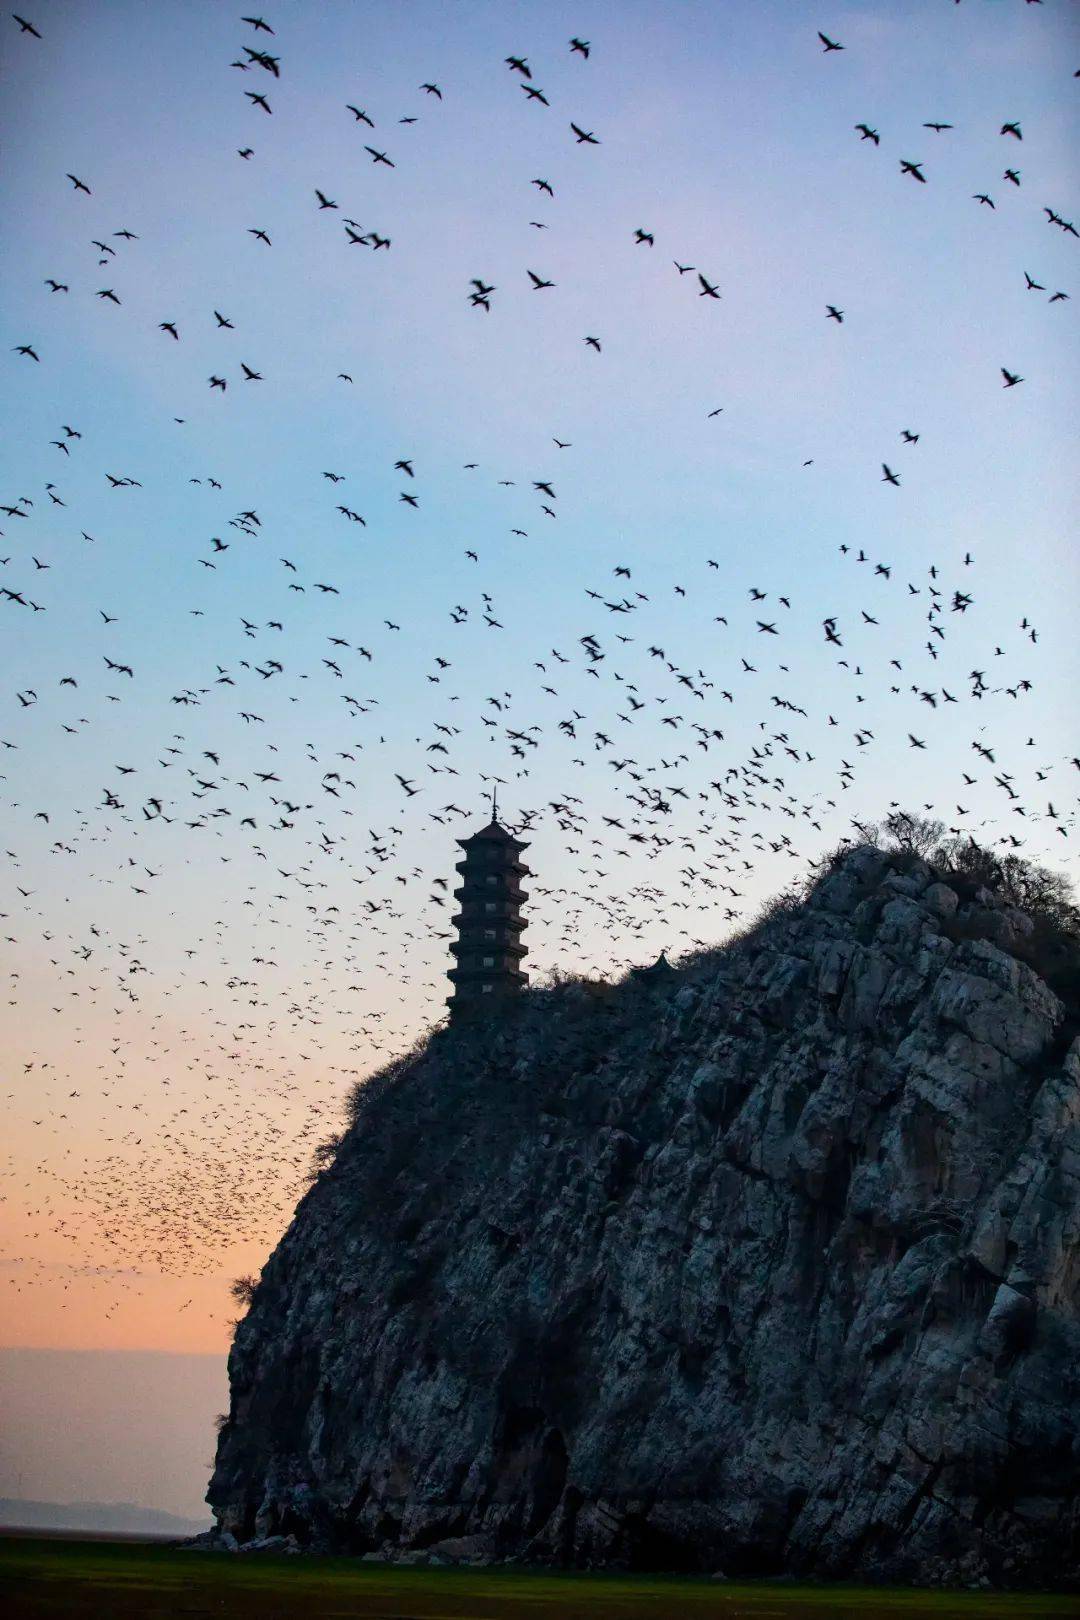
<point>144,1178</point>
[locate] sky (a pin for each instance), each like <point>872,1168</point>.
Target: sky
<point>199,972</point>
<point>110,1426</point>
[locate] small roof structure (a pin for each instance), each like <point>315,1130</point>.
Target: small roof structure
<point>660,969</point>
<point>494,832</point>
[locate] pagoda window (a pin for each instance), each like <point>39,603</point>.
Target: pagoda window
<point>489,905</point>
<point>489,933</point>
<point>485,989</point>
<point>488,961</point>
<point>492,877</point>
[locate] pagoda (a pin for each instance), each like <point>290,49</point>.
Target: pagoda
<point>488,950</point>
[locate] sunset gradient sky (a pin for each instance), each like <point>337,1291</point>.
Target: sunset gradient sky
<point>165,1092</point>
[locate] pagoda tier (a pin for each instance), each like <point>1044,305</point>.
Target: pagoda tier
<point>488,950</point>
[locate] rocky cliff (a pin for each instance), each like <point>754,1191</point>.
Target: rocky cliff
<point>770,1266</point>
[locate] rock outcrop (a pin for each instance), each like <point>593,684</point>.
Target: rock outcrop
<point>771,1266</point>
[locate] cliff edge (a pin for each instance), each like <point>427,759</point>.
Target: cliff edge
<point>770,1266</point>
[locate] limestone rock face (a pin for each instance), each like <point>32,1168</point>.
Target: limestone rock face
<point>772,1265</point>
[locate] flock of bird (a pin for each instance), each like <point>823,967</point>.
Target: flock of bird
<point>207,1036</point>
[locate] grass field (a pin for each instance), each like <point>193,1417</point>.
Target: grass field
<point>45,1579</point>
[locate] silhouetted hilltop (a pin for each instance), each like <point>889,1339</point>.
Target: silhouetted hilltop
<point>770,1264</point>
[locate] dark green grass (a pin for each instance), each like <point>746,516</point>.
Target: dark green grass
<point>45,1579</point>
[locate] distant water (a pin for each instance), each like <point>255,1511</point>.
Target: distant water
<point>120,1518</point>
<point>98,1428</point>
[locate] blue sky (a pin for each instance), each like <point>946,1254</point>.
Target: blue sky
<point>728,134</point>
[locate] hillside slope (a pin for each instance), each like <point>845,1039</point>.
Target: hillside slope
<point>770,1266</point>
